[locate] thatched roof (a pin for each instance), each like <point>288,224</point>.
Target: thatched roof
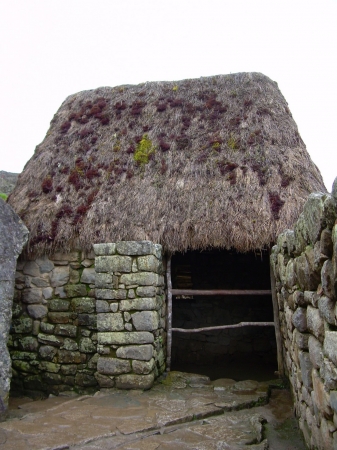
<point>193,164</point>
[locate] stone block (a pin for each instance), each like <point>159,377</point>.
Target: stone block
<point>131,381</point>
<point>49,339</point>
<point>329,374</point>
<point>83,305</point>
<point>69,357</point>
<point>111,294</point>
<point>315,323</point>
<point>125,338</point>
<point>110,322</point>
<point>85,379</point>
<point>75,290</point>
<point>290,275</point>
<point>145,320</point>
<point>22,325</point>
<point>311,298</point>
<point>104,381</point>
<point>322,397</point>
<point>143,367</point>
<point>102,306</point>
<point>329,283</point>
<point>72,256</point>
<point>298,297</point>
<point>37,311</point>
<point>142,304</point>
<point>142,279</point>
<point>299,319</point>
<point>315,352</point>
<point>306,368</point>
<point>115,263</point>
<point>330,345</point>
<point>112,366</point>
<point>69,344</point>
<point>87,320</point>
<point>69,369</point>
<point>31,268</point>
<point>28,343</point>
<point>88,276</point>
<point>135,248</point>
<point>66,330</point>
<point>60,276</point>
<point>40,282</point>
<point>326,308</point>
<point>32,295</point>
<point>49,366</point>
<point>149,263</point>
<point>146,291</point>
<point>47,352</point>
<point>59,317</point>
<point>58,305</point>
<point>74,277</point>
<point>47,328</point>
<point>103,281</point>
<point>104,249</point>
<point>139,352</point>
<point>44,264</point>
<point>326,246</point>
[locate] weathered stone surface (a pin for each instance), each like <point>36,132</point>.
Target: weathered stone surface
<point>104,249</point>
<point>130,381</point>
<point>115,263</point>
<point>74,277</point>
<point>145,320</point>
<point>44,264</point>
<point>72,256</point>
<point>315,352</point>
<point>298,298</point>
<point>47,352</point>
<point>142,279</point>
<point>31,268</point>
<point>86,345</point>
<point>68,357</point>
<point>290,275</point>
<point>110,322</point>
<point>85,379</point>
<point>146,291</point>
<point>49,366</point>
<point>315,323</point>
<point>301,339</point>
<point>104,381</point>
<point>28,343</point>
<point>102,306</point>
<point>103,281</point>
<point>321,397</point>
<point>135,248</point>
<point>142,304</point>
<point>83,305</point>
<point>37,311</point>
<point>299,319</point>
<point>113,366</point>
<point>125,338</point>
<point>40,282</point>
<point>313,212</point>
<point>111,294</point>
<point>149,263</point>
<point>143,367</point>
<point>139,352</point>
<point>60,276</point>
<point>306,368</point>
<point>75,290</point>
<point>326,308</point>
<point>59,305</point>
<point>32,295</point>
<point>69,344</point>
<point>329,374</point>
<point>330,345</point>
<point>47,327</point>
<point>326,243</point>
<point>66,330</point>
<point>22,325</point>
<point>50,339</point>
<point>59,317</point>
<point>88,276</point>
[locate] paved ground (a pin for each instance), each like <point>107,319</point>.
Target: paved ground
<point>184,412</point>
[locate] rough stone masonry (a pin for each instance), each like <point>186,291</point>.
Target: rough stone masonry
<point>13,236</point>
<point>304,262</point>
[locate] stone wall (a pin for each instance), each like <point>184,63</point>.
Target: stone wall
<point>131,312</point>
<point>304,262</point>
<point>13,236</point>
<point>69,321</point>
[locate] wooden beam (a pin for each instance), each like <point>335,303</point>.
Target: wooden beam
<point>224,327</point>
<point>280,363</point>
<point>169,314</point>
<point>221,292</point>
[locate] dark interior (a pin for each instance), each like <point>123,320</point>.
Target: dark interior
<point>240,353</point>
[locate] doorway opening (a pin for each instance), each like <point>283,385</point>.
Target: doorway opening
<point>247,352</point>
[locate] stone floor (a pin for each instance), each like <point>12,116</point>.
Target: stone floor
<point>185,411</point>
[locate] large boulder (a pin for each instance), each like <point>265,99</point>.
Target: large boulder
<point>13,236</point>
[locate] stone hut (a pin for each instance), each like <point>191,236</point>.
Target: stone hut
<point>138,197</point>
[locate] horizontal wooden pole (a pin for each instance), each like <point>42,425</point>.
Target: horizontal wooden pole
<point>221,292</point>
<point>224,327</point>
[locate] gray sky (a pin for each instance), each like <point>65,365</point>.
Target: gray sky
<point>50,49</point>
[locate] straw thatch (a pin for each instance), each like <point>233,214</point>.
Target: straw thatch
<point>193,164</point>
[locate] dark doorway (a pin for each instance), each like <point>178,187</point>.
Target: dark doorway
<point>240,353</point>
